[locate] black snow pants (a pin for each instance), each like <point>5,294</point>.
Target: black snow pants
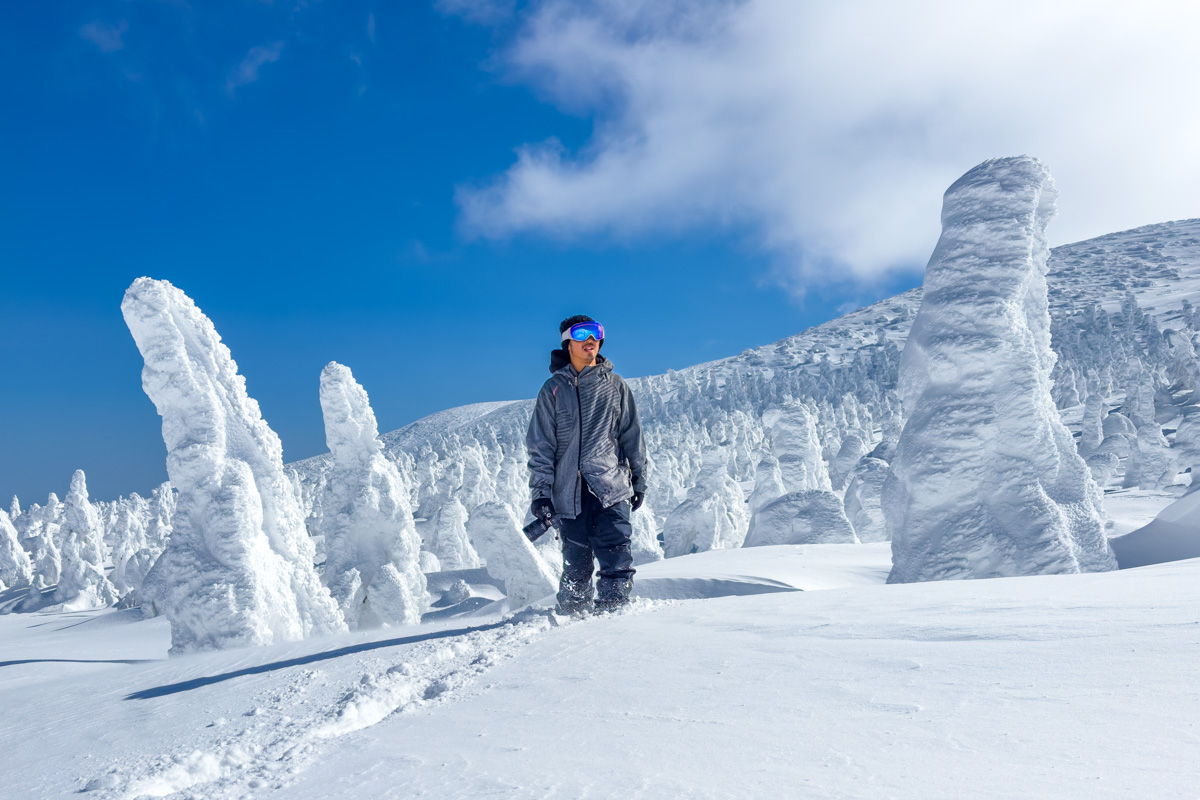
<point>603,534</point>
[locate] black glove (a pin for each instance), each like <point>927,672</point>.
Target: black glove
<point>635,502</point>
<point>542,508</point>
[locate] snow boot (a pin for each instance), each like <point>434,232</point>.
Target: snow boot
<point>613,593</point>
<point>574,596</point>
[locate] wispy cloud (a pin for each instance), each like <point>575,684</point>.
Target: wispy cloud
<point>826,133</point>
<point>108,38</point>
<point>371,28</point>
<point>247,71</point>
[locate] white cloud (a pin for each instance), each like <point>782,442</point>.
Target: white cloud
<point>827,132</point>
<point>108,38</point>
<point>247,71</point>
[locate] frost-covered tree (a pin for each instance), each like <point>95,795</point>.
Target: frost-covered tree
<point>796,444</point>
<point>238,567</point>
<point>1151,463</point>
<point>768,483</point>
<point>82,583</point>
<point>16,570</point>
<point>511,559</point>
<point>451,544</point>
<point>864,501</point>
<point>714,515</point>
<point>1093,425</point>
<point>987,481</point>
<point>644,543</point>
<point>38,529</point>
<point>372,564</point>
<point>853,448</point>
<point>132,554</point>
<point>812,517</point>
<point>1187,446</point>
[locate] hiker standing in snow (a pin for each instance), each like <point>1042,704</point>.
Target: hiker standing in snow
<point>587,467</point>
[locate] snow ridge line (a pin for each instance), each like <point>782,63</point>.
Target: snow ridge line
<point>274,747</point>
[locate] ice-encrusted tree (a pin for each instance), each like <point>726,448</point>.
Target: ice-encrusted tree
<point>238,567</point>
<point>38,528</point>
<point>16,569</point>
<point>986,480</point>
<point>864,501</point>
<point>372,565</point>
<point>796,445</point>
<point>644,543</point>
<point>511,559</point>
<point>768,483</point>
<point>811,517</point>
<point>82,583</point>
<point>1151,463</point>
<point>451,544</point>
<point>132,554</point>
<point>714,515</point>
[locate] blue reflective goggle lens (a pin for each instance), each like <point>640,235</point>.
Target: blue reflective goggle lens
<point>580,332</point>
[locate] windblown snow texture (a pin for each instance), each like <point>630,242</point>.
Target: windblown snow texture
<point>986,481</point>
<point>238,568</point>
<point>372,549</point>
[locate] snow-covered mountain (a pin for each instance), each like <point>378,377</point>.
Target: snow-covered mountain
<point>1123,313</point>
<point>819,409</point>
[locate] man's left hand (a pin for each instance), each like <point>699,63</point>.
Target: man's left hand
<point>635,502</point>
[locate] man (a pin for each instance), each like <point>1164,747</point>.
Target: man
<point>587,467</point>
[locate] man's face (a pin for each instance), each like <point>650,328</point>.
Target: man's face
<point>585,351</point>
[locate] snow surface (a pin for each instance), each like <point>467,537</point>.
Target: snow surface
<point>1077,686</point>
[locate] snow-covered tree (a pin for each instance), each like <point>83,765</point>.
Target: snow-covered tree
<point>1151,463</point>
<point>511,559</point>
<point>82,583</point>
<point>132,554</point>
<point>714,515</point>
<point>451,544</point>
<point>848,455</point>
<point>238,567</point>
<point>864,500</point>
<point>987,481</point>
<point>812,517</point>
<point>372,564</point>
<point>796,445</point>
<point>16,570</point>
<point>38,529</point>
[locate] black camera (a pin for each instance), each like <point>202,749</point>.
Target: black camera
<point>537,529</point>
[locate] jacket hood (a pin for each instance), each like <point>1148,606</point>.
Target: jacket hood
<point>560,359</point>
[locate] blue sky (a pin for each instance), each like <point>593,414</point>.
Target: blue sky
<point>421,191</point>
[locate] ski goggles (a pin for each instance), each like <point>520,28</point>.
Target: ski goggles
<point>582,331</point>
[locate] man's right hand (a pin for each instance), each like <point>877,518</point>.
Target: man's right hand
<point>542,508</point>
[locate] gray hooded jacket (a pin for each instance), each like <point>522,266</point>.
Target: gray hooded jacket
<point>584,427</point>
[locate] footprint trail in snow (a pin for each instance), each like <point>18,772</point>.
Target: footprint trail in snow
<point>281,735</point>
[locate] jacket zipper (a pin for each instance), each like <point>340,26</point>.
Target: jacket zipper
<point>579,458</point>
